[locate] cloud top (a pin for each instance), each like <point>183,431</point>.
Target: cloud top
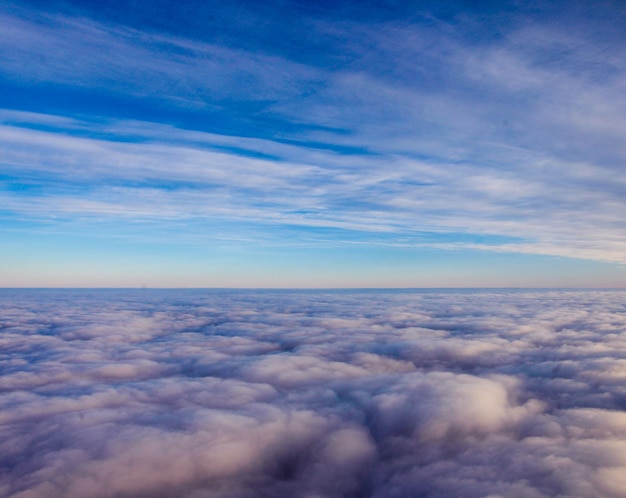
<point>380,394</point>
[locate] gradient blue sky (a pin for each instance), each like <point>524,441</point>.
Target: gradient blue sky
<point>312,144</point>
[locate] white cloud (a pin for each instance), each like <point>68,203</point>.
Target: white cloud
<point>383,394</point>
<point>518,136</point>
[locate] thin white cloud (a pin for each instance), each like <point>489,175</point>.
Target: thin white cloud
<point>561,215</point>
<point>518,137</point>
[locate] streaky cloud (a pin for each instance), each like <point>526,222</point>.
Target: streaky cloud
<point>377,120</point>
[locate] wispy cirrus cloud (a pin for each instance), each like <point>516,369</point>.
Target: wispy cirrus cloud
<point>422,125</point>
<point>53,173</point>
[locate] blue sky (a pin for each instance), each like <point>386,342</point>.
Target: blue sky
<point>312,144</point>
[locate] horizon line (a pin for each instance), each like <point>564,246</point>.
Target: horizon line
<point>318,288</point>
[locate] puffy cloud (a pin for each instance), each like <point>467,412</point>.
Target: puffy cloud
<point>246,394</point>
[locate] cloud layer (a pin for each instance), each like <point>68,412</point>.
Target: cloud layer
<point>336,394</point>
<point>496,130</point>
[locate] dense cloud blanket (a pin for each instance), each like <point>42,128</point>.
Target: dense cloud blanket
<point>387,394</point>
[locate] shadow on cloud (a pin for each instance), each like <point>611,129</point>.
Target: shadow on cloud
<point>326,393</point>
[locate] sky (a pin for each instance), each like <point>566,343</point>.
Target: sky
<point>208,393</point>
<point>312,144</point>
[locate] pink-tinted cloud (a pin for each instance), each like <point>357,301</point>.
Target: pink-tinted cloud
<point>336,394</point>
